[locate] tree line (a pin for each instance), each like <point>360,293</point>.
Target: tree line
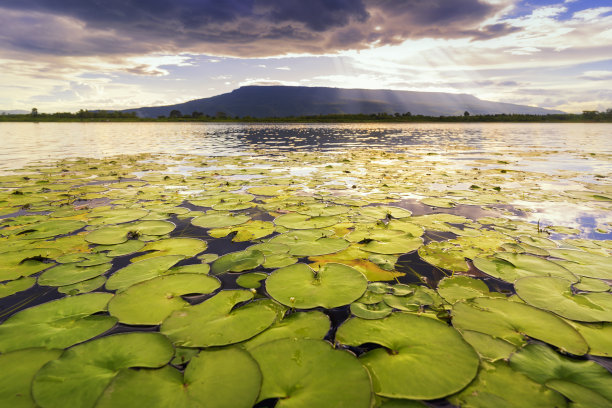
<point>177,116</point>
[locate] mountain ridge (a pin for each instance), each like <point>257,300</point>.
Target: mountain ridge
<point>286,101</point>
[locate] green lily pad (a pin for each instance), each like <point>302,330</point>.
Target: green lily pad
<point>370,311</point>
<point>456,288</point>
<point>510,267</point>
<point>584,263</point>
<point>488,347</point>
<point>439,202</point>
<point>219,220</point>
<point>512,321</point>
<point>117,216</point>
<point>126,248</point>
<point>18,285</point>
<point>202,268</point>
<point>592,285</point>
<point>57,324</point>
<point>83,259</point>
<point>187,247</point>
<point>313,374</point>
<point>543,365</point>
<point>417,352</point>
<point>301,287</point>
<point>80,376</point>
<point>300,325</point>
<point>117,234</point>
<point>497,385</point>
<point>216,322</point>
<point>555,295</point>
<point>248,231</point>
<point>597,335</point>
<point>310,242</point>
<point>16,381</point>
<point>301,221</point>
<point>48,229</point>
<point>251,280</point>
<point>83,287</point>
<point>384,212</point>
<point>141,271</point>
<point>237,261</point>
<point>15,264</point>
<point>226,378</point>
<point>151,301</point>
<point>70,273</point>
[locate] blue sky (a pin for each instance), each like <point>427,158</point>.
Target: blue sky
<point>65,55</point>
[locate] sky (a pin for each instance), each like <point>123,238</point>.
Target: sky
<point>66,55</point>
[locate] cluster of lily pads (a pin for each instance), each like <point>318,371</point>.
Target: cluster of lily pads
<point>292,280</point>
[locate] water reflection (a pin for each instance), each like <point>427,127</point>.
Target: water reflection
<point>25,143</point>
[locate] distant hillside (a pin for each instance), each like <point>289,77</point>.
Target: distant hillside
<point>284,101</point>
<point>13,112</point>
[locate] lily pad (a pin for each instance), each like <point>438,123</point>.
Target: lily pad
<point>370,311</point>
<point>126,248</point>
<point>237,261</point>
<point>18,285</point>
<point>543,365</point>
<point>83,287</point>
<point>251,280</point>
<point>141,271</point>
<point>301,221</point>
<point>80,376</point>
<point>510,267</point>
<point>117,216</point>
<point>48,229</point>
<point>17,379</point>
<point>556,295</point>
<point>216,322</point>
<point>597,335</point>
<point>70,273</point>
<point>15,264</point>
<point>248,231</point>
<point>57,324</point>
<point>592,285</point>
<point>488,347</point>
<point>219,220</point>
<point>417,352</point>
<point>300,325</point>
<point>497,385</point>
<point>310,242</point>
<point>456,288</point>
<point>151,301</point>
<point>301,287</point>
<point>117,234</point>
<point>226,378</point>
<point>313,374</point>
<point>187,247</point>
<point>512,321</point>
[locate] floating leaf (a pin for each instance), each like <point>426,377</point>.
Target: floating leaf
<point>543,365</point>
<point>57,324</point>
<point>498,385</point>
<point>83,287</point>
<point>15,264</point>
<point>313,374</point>
<point>151,301</point>
<point>248,231</point>
<point>187,247</point>
<point>237,261</point>
<point>510,267</point>
<point>488,347</point>
<point>141,271</point>
<point>215,322</point>
<point>227,378</point>
<point>299,325</point>
<point>219,220</point>
<point>16,381</point>
<point>592,285</point>
<point>456,288</point>
<point>126,248</point>
<point>117,216</point>
<point>370,311</point>
<point>512,321</point>
<point>251,280</point>
<point>301,221</point>
<point>417,352</point>
<point>301,287</point>
<point>556,295</point>
<point>70,273</point>
<point>80,376</point>
<point>117,234</point>
<point>48,229</point>
<point>19,285</point>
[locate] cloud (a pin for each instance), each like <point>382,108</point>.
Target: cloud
<point>597,75</point>
<point>244,28</point>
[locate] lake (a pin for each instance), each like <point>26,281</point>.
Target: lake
<point>323,265</point>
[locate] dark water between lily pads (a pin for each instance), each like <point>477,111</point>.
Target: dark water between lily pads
<point>426,212</point>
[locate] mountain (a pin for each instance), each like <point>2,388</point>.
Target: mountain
<point>283,101</point>
<point>13,112</point>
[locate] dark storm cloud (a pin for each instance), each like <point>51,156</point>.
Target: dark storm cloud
<point>234,27</point>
